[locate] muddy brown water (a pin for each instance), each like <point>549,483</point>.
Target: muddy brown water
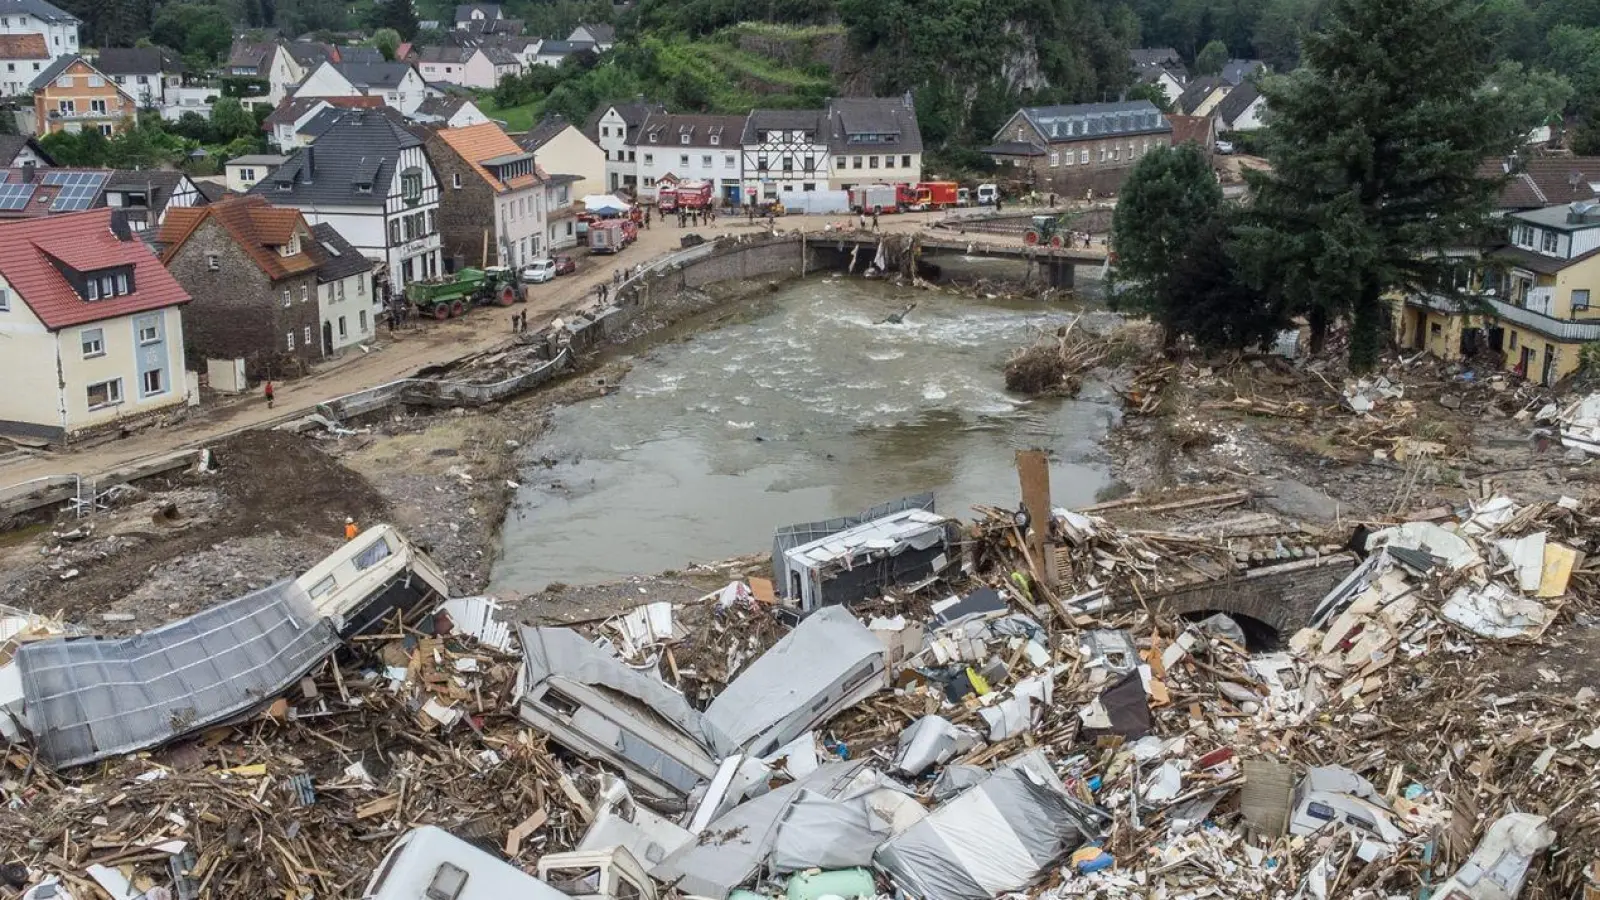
<point>801,406</point>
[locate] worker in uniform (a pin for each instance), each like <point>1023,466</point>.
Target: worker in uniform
<point>350,529</point>
<point>267,392</point>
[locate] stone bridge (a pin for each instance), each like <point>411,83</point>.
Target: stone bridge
<point>1057,266</point>
<point>1283,597</point>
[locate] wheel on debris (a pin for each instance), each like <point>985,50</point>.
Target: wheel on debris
<point>458,308</point>
<point>1031,238</point>
<point>508,295</point>
<point>441,311</point>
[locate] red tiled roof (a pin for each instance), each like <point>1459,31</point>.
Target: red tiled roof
<point>82,241</point>
<point>23,46</point>
<point>1192,128</point>
<point>476,143</point>
<point>258,227</point>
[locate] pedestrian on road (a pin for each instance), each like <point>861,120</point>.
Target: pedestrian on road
<point>874,219</point>
<point>350,529</point>
<point>751,209</point>
<point>267,392</point>
<point>513,323</point>
<point>861,221</point>
<point>647,221</point>
<point>1052,200</point>
<point>996,202</point>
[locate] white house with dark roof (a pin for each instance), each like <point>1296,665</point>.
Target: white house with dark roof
<point>674,147</point>
<point>22,58</point>
<point>269,61</point>
<point>602,37</point>
<point>449,111</point>
<point>1162,67</point>
<point>1238,71</point>
<point>1244,109</point>
<point>615,129</point>
<point>347,298</point>
<point>396,82</point>
<point>58,27</point>
<point>873,140</point>
<point>368,177</point>
<point>473,66</point>
<point>155,78</point>
<point>477,16</point>
<point>783,151</point>
<point>554,53</point>
<point>561,147</point>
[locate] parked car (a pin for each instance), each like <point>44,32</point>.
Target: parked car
<point>565,265</point>
<point>539,271</point>
<point>987,194</point>
<point>1225,147</point>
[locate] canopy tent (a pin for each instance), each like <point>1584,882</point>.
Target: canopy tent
<point>605,204</point>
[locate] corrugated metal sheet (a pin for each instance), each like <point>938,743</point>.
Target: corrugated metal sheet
<point>91,698</point>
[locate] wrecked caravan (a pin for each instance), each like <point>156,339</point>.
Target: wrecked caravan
<point>597,875</point>
<point>362,583</point>
<point>588,701</point>
<point>430,863</point>
<point>828,663</point>
<point>859,562</point>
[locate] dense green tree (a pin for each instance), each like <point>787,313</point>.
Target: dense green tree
<point>399,15</point>
<point>1375,145</point>
<point>196,30</point>
<point>230,121</point>
<point>1205,296</point>
<point>1276,35</point>
<point>1211,58</point>
<point>1151,91</point>
<point>387,40</point>
<point>1169,195</point>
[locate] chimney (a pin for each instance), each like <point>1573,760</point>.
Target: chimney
<point>28,170</point>
<point>307,167</point>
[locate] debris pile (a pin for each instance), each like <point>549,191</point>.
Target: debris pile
<point>1050,712</point>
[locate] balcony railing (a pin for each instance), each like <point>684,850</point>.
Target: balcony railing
<point>1568,330</point>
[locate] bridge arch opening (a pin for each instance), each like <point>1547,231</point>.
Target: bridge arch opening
<point>1259,636</point>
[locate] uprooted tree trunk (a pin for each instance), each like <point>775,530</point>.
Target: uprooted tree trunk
<point>1054,364</point>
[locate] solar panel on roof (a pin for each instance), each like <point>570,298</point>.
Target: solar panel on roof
<point>15,196</point>
<point>79,190</point>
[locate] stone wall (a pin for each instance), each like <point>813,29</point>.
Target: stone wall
<point>1283,596</point>
<point>462,220</point>
<point>237,312</point>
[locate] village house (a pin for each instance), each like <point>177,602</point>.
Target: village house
<point>472,67</point>
<point>449,111</point>
<point>492,204</point>
<point>784,150</point>
<point>31,192</point>
<point>91,326</point>
<point>56,26</point>
<point>1244,109</point>
<point>22,58</point>
<point>599,36</point>
<point>615,129</point>
<point>17,150</point>
<point>1539,289</point>
<point>1238,71</point>
<point>396,82</point>
<point>554,53</point>
<point>673,148</point>
<point>562,147</point>
<point>1162,67</point>
<point>873,140</point>
<point>262,71</point>
<point>1074,150</point>
<point>145,197</point>
<point>241,173</point>
<point>267,287</point>
<point>561,209</point>
<point>368,177</point>
<point>485,18</point>
<point>156,80</point>
<point>297,121</point>
<point>71,95</point>
<point>1201,96</point>
<point>1537,182</point>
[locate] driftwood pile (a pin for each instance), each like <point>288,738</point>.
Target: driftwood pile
<point>1055,363</point>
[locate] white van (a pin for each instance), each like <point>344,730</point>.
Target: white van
<point>987,194</point>
<point>430,863</point>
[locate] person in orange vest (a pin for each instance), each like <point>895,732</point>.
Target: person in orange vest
<point>267,391</point>
<point>350,529</point>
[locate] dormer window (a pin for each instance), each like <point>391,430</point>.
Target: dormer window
<point>716,139</point>
<point>655,138</point>
<point>683,138</point>
<point>292,248</point>
<point>104,284</point>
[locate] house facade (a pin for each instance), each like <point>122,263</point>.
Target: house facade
<point>492,208</point>
<point>71,95</point>
<point>1202,95</point>
<point>873,140</point>
<point>449,112</point>
<point>91,325</point>
<point>1075,150</point>
<point>350,304</point>
<point>1540,290</point>
<point>368,178</point>
<point>242,173</point>
<point>601,37</point>
<point>672,148</point>
<point>295,122</point>
<point>397,83</point>
<point>156,80</point>
<point>266,67</point>
<point>17,150</point>
<point>22,58</point>
<point>560,147</point>
<point>249,268</point>
<point>1244,109</point>
<point>472,67</point>
<point>783,151</point>
<point>56,26</point>
<point>146,197</point>
<point>614,129</point>
<point>1162,67</point>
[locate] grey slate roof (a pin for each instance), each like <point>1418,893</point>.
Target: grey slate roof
<point>358,143</point>
<point>359,54</point>
<point>1088,120</point>
<point>1196,93</point>
<point>1235,71</point>
<point>1237,101</point>
<point>373,75</point>
<point>442,107</point>
<point>49,12</point>
<point>92,698</point>
<point>633,112</point>
<point>343,262</point>
<point>1161,57</point>
<point>603,33</point>
<point>137,61</point>
<point>542,133</point>
<point>51,71</point>
<point>211,190</point>
<point>759,120</point>
<point>12,144</point>
<point>669,129</point>
<point>318,125</point>
<point>563,48</point>
<point>893,118</point>
<point>455,55</point>
<point>251,54</point>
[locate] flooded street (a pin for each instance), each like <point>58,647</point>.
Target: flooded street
<point>802,407</point>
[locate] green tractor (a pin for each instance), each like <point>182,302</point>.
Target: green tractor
<point>450,296</point>
<point>1049,231</point>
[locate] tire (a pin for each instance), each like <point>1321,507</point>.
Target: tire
<point>458,308</point>
<point>507,296</point>
<point>441,311</point>
<point>1055,242</point>
<point>1031,238</point>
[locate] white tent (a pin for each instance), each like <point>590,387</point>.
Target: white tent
<point>605,204</point>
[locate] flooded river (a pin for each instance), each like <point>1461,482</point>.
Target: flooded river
<point>802,407</point>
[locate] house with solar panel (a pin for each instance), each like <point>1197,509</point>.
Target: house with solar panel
<point>30,192</point>
<point>91,325</point>
<point>1072,150</point>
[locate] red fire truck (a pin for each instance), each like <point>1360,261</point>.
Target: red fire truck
<point>693,194</point>
<point>882,198</point>
<point>937,194</point>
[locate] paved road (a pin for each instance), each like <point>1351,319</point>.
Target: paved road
<point>431,343</point>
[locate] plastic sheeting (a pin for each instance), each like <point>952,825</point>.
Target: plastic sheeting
<point>997,837</point>
<point>929,741</point>
<point>830,661</point>
<point>821,833</point>
<point>91,698</point>
<point>563,652</point>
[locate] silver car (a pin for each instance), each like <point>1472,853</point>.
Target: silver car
<point>538,271</point>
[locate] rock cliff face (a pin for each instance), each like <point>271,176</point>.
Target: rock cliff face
<point>824,50</point>
<point>1021,70</point>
